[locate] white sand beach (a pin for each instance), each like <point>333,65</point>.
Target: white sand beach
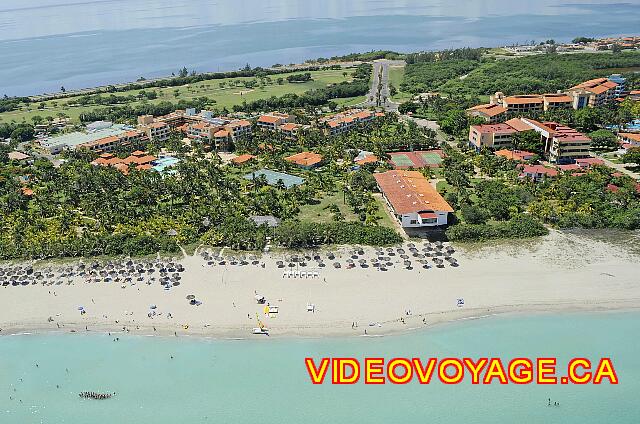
<point>561,272</point>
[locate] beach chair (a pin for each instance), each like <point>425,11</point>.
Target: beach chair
<point>296,274</point>
<point>303,274</point>
<point>284,274</point>
<point>315,274</point>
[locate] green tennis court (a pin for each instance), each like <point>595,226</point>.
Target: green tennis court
<point>431,158</point>
<point>401,160</point>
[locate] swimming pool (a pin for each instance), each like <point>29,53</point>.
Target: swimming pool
<point>162,164</point>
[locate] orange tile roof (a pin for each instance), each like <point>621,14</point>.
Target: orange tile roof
<point>368,159</point>
<point>518,125</point>
<point>547,126</point>
<point>630,136</point>
<point>26,191</point>
<point>521,100</point>
<point>410,192</point>
<point>269,119</point>
<point>488,109</point>
<point>363,114</point>
<point>520,155</point>
<point>557,98</point>
<point>305,159</point>
<point>239,160</point>
<point>289,127</point>
<point>221,133</point>
<point>494,129</point>
<point>240,123</point>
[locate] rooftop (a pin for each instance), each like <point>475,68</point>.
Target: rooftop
<point>305,159</point>
<point>410,192</point>
<point>488,109</point>
<point>76,138</point>
<point>519,155</point>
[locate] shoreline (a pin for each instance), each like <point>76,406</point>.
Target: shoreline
<point>559,273</point>
<point>391,328</point>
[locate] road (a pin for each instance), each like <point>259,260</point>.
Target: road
<point>379,95</point>
<point>620,167</point>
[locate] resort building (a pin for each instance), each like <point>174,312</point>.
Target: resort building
<point>290,130</point>
<point>412,199</point>
<point>516,155</point>
<point>523,104</point>
<point>272,121</point>
<point>629,140</point>
<point>111,143</point>
<point>305,160</point>
<point>155,130</point>
<point>562,144</point>
<point>537,172</point>
<point>55,145</point>
<point>201,131</point>
<point>600,90</point>
<point>491,136</point>
<point>344,122</point>
<point>239,128</point>
<point>138,159</point>
<point>491,113</point>
<point>242,159</point>
<point>621,83</point>
<point>557,101</point>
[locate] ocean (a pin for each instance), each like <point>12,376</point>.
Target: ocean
<point>46,44</point>
<point>168,380</point>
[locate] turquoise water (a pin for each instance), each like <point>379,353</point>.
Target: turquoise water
<point>265,380</point>
<point>48,43</point>
<point>162,164</point>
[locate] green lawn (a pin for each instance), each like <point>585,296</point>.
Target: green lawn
<point>318,213</point>
<point>396,74</point>
<point>227,95</point>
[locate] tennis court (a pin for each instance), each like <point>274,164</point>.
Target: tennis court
<point>420,159</point>
<point>401,160</point>
<point>430,158</point>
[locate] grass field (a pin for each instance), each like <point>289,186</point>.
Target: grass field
<point>226,93</point>
<point>396,74</point>
<point>318,213</point>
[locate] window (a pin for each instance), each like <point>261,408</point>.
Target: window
<point>413,221</point>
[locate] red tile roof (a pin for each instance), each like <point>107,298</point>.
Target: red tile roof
<point>270,119</point>
<point>305,159</point>
<point>410,192</point>
<point>519,155</point>
<point>488,109</point>
<point>239,160</point>
<point>494,129</point>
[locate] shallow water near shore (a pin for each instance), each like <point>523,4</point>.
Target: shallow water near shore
<point>166,380</point>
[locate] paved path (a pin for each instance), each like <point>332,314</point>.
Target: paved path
<point>379,95</point>
<point>620,167</point>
